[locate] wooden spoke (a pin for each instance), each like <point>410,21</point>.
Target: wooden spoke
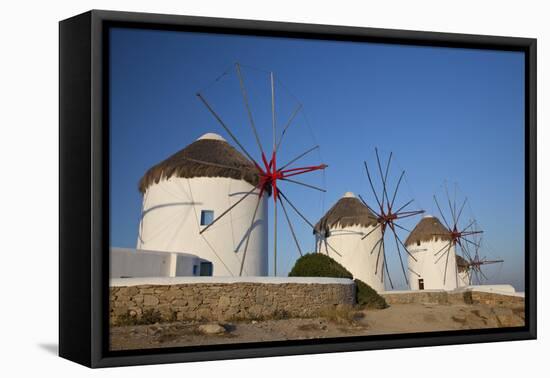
<point>368,207</point>
<point>471,242</point>
<point>403,244</point>
<point>291,228</point>
<point>401,227</point>
<point>299,157</point>
<point>372,186</point>
<point>379,242</point>
<point>296,111</point>
<point>370,232</point>
<point>275,238</point>
<point>332,248</point>
<point>466,253</point>
<point>404,206</point>
<point>296,210</point>
<point>461,209</point>
<point>386,265</point>
<point>273,112</point>
<point>450,205</point>
<point>475,275</point>
<point>388,168</point>
<point>469,225</point>
<point>410,214</point>
<point>326,248</point>
<point>441,213</point>
<point>382,272</point>
<point>304,184</point>
<point>247,106</point>
<point>412,271</point>
<point>230,208</point>
<point>442,249</point>
<point>443,254</point>
<point>483,275</point>
<point>446,264</point>
<point>468,233</point>
<point>401,261</point>
<point>226,128</point>
<point>377,257</point>
<point>209,163</point>
<point>396,189</point>
<point>249,234</point>
<point>384,191</point>
<point>454,205</point>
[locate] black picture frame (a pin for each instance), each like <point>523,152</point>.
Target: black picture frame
<point>84,187</point>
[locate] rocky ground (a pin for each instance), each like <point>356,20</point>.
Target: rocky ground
<point>398,318</point>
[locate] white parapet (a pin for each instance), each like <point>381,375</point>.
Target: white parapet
<point>166,281</point>
<point>496,289</point>
<point>129,262</point>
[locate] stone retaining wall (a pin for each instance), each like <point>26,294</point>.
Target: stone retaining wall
<point>446,297</point>
<point>427,297</point>
<point>494,299</point>
<point>225,301</point>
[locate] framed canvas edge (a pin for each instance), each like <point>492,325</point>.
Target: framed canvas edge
<point>98,264</point>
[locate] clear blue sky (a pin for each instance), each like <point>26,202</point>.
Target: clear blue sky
<point>447,114</point>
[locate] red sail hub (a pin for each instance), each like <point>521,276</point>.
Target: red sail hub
<point>269,174</point>
<point>455,235</point>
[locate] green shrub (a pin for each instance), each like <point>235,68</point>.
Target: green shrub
<point>368,297</point>
<point>318,265</point>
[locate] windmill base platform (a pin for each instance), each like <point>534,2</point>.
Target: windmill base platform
<point>484,294</point>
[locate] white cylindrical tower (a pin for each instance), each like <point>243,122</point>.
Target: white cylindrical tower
<point>184,193</point>
<point>339,235</point>
<point>435,266</point>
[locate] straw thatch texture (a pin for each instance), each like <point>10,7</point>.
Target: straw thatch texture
<point>429,228</point>
<point>347,212</point>
<point>223,161</point>
<point>461,264</point>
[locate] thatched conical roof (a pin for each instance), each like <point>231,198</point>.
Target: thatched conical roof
<point>429,228</point>
<point>348,211</point>
<point>208,156</point>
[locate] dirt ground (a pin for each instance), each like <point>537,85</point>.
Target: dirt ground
<point>398,318</point>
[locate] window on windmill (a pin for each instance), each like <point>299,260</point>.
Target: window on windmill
<point>195,270</point>
<point>418,242</point>
<point>207,217</point>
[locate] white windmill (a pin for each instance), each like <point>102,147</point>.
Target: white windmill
<point>273,169</point>
<point>184,193</point>
<point>339,234</point>
<point>435,262</point>
<point>443,258</point>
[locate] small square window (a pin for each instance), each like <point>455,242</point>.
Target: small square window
<point>195,270</point>
<point>418,242</point>
<point>207,217</point>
